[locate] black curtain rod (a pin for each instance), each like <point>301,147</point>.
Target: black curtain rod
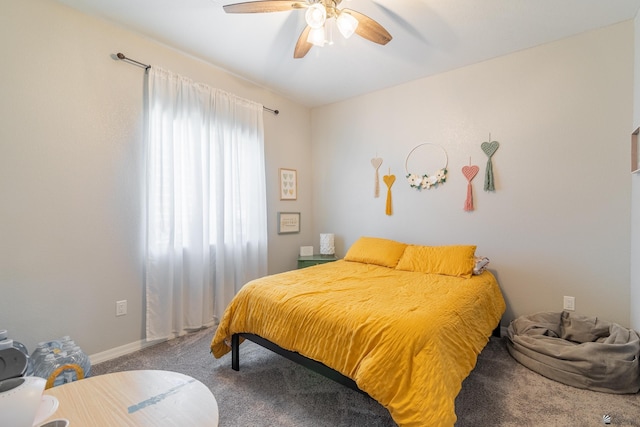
<point>122,57</point>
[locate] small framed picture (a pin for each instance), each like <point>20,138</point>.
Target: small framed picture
<point>288,184</point>
<point>288,222</point>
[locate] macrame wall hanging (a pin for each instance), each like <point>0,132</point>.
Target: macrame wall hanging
<point>489,149</point>
<point>469,172</point>
<point>426,181</point>
<point>389,180</point>
<point>376,162</point>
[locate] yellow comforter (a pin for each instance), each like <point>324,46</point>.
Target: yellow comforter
<point>407,339</point>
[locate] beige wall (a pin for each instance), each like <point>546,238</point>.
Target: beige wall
<point>71,172</point>
<point>559,221</point>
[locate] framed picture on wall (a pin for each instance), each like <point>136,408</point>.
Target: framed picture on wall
<point>288,184</point>
<point>288,222</point>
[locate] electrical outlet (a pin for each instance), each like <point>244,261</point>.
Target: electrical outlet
<point>569,303</point>
<point>121,308</point>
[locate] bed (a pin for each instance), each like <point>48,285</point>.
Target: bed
<point>404,322</point>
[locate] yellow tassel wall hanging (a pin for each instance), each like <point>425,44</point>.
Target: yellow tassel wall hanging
<point>389,180</point>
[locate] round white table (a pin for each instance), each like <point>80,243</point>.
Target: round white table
<point>136,398</point>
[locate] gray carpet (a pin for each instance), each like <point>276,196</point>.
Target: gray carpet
<point>269,390</point>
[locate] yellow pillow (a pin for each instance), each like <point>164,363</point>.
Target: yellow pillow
<point>374,250</point>
<point>454,260</point>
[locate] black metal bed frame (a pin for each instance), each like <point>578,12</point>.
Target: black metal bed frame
<point>314,365</point>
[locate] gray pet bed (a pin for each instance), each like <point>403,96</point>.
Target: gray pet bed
<point>580,351</point>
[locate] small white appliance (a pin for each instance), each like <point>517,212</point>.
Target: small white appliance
<point>20,399</point>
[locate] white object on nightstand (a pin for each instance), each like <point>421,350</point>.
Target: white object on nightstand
<point>306,250</point>
<point>327,245</point>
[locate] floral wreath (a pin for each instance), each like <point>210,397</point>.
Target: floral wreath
<point>426,181</point>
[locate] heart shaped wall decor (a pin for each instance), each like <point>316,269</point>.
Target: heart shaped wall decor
<point>490,148</point>
<point>376,162</point>
<point>470,172</point>
<point>389,180</point>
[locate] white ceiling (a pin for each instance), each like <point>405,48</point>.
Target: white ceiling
<point>429,37</point>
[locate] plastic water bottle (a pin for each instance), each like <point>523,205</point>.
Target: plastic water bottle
<point>74,357</point>
<point>83,361</point>
<point>23,349</point>
<point>50,355</point>
<point>79,357</point>
<point>44,348</point>
<point>6,342</point>
<point>45,366</point>
<point>48,365</point>
<point>40,352</point>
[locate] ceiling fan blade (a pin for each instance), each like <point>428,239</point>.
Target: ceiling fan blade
<point>264,6</point>
<point>369,29</point>
<point>302,46</point>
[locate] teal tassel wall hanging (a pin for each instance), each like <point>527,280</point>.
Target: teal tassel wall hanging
<point>489,149</point>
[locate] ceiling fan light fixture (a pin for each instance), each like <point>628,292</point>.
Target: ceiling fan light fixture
<point>315,15</point>
<point>328,31</point>
<point>321,17</point>
<point>316,36</point>
<point>347,24</point>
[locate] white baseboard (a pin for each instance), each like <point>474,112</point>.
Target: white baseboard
<point>122,350</point>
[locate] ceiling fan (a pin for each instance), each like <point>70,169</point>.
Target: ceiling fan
<point>318,15</point>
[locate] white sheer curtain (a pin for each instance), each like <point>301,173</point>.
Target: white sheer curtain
<point>206,202</point>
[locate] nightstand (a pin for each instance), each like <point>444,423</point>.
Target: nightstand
<point>308,261</point>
